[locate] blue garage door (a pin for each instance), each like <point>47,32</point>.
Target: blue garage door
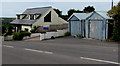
<point>96,29</point>
<point>75,27</point>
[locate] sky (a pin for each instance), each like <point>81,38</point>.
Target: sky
<point>9,8</point>
<point>58,0</point>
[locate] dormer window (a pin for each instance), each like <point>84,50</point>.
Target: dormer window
<point>37,16</point>
<point>24,16</point>
<point>31,16</point>
<point>21,16</point>
<point>18,16</point>
<point>34,16</point>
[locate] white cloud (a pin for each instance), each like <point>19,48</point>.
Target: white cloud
<point>59,0</point>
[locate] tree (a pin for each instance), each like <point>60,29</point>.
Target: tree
<point>88,9</point>
<point>58,12</point>
<point>115,14</point>
<point>65,17</point>
<point>3,29</point>
<point>10,28</point>
<point>71,11</point>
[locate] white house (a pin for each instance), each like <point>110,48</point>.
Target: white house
<point>43,17</point>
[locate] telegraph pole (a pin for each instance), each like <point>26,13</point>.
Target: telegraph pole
<point>112,4</point>
<point>111,9</point>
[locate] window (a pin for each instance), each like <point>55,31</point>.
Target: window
<point>47,18</point>
<point>38,16</point>
<point>24,16</point>
<point>31,17</point>
<point>26,29</point>
<point>18,16</point>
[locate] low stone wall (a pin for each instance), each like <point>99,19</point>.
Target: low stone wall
<point>42,36</point>
<point>8,38</point>
<point>1,38</point>
<point>35,34</point>
<point>32,35</point>
<point>48,35</point>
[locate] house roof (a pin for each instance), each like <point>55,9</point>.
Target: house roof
<point>23,22</point>
<point>104,14</point>
<point>26,21</point>
<point>40,10</point>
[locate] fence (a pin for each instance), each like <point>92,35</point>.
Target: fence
<point>42,36</point>
<point>48,35</point>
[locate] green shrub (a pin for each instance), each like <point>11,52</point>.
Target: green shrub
<point>78,35</point>
<point>116,34</point>
<point>17,36</point>
<point>5,34</point>
<point>7,29</point>
<point>33,30</point>
<point>25,33</point>
<point>67,34</point>
<point>116,38</point>
<point>20,35</point>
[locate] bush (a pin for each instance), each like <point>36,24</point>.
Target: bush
<point>78,35</point>
<point>33,30</point>
<point>20,35</point>
<point>17,36</point>
<point>25,33</point>
<point>116,38</point>
<point>7,33</point>
<point>3,29</point>
<point>115,34</point>
<point>67,34</point>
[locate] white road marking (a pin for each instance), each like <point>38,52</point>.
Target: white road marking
<point>99,60</point>
<point>33,50</point>
<point>48,52</point>
<point>8,46</point>
<point>39,51</point>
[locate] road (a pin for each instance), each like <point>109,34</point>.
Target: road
<point>60,51</point>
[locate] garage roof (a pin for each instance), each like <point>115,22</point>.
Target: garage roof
<point>80,16</point>
<point>104,14</point>
<point>83,16</point>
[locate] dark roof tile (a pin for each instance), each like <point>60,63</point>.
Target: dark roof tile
<point>23,22</point>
